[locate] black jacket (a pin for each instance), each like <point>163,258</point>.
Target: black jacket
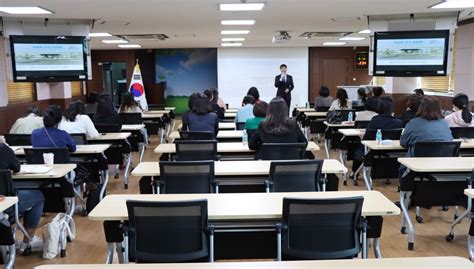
<point>8,160</point>
<point>283,85</point>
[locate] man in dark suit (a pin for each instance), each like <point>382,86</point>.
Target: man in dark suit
<point>284,84</point>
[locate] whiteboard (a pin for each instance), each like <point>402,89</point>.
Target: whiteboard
<point>238,69</point>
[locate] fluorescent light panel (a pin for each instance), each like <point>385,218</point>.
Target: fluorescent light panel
<point>352,38</point>
<point>334,43</point>
<point>234,32</point>
<point>241,7</point>
<point>231,44</point>
<point>114,41</point>
<point>99,35</point>
<point>128,46</point>
<point>25,10</point>
<point>455,4</point>
<point>232,39</point>
<point>366,31</point>
<point>238,22</point>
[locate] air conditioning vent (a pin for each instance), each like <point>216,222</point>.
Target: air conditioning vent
<point>323,34</point>
<point>161,37</point>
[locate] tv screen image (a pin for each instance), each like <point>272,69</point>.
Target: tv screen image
<point>418,53</point>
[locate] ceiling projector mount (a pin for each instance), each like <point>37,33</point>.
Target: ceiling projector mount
<point>281,37</point>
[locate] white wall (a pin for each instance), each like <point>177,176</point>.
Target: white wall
<point>238,69</point>
<point>465,61</point>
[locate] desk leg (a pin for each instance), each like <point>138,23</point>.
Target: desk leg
<point>377,253</point>
<point>127,168</point>
<point>367,179</point>
<point>142,151</point>
<point>110,253</point>
<point>470,246</point>
<point>327,145</point>
<point>105,177</point>
<point>118,249</point>
<point>10,263</point>
<point>406,218</point>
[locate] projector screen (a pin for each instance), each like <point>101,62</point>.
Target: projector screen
<point>49,57</point>
<point>239,69</point>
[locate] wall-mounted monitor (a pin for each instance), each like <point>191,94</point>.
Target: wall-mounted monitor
<point>48,58</point>
<point>411,53</point>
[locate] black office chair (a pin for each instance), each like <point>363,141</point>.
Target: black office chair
<point>196,150</point>
<point>283,151</point>
<point>358,108</point>
<point>240,125</point>
<point>322,108</point>
<point>361,124</point>
<point>250,133</point>
<point>35,155</point>
<point>462,132</point>
<point>345,114</point>
<point>294,176</point>
<point>320,229</point>
<point>18,139</point>
<point>80,139</point>
<point>108,128</point>
<point>131,118</point>
<point>195,135</point>
<point>187,177</point>
<point>165,232</point>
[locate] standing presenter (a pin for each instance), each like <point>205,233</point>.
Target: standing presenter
<point>284,84</point>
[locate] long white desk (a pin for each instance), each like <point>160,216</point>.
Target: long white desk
<point>80,149</point>
<point>132,127</point>
<point>8,202</point>
<point>222,126</point>
<point>225,134</point>
<point>387,263</point>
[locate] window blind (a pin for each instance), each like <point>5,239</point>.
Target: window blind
<point>76,88</point>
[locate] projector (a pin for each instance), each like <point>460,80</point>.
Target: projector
<point>282,37</point>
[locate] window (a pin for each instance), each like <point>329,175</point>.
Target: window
<point>76,88</point>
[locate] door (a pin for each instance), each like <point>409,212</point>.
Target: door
<point>334,74</point>
<point>114,80</point>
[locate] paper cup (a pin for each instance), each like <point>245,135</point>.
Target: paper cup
<point>48,159</point>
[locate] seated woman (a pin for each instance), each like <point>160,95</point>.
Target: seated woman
<point>50,136</point>
<point>342,101</point>
<point>106,113</point>
<point>218,100</point>
<point>377,91</point>
<point>260,112</point>
<point>370,106</point>
<point>361,97</point>
<point>253,91</point>
<point>246,111</point>
<point>30,121</point>
<point>461,116</point>
<point>129,105</point>
<point>91,103</point>
<point>184,117</point>
<point>428,126</point>
<point>75,122</point>
<point>215,107</point>
<point>413,104</point>
<point>201,118</point>
<point>323,100</point>
<point>276,128</point>
<point>30,203</point>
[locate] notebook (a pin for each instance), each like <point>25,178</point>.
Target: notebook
<point>35,169</point>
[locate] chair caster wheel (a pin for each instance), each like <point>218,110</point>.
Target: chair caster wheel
<point>27,251</point>
<point>398,189</point>
<point>63,253</point>
<point>456,217</point>
<point>403,230</point>
<point>344,183</point>
<point>68,239</point>
<point>116,176</point>
<point>449,237</point>
<point>411,246</point>
<point>126,186</point>
<point>419,219</point>
<point>84,213</point>
<point>445,208</point>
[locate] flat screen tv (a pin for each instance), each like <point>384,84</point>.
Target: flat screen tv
<point>411,53</point>
<point>48,58</point>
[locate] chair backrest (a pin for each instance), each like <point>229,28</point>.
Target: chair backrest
<point>6,183</point>
<point>283,151</point>
<point>295,176</point>
<point>240,125</point>
<point>35,155</point>
<point>250,132</point>
<point>131,118</point>
<point>393,134</point>
<point>322,228</point>
<point>187,177</point>
<point>80,139</point>
<point>437,149</point>
<point>361,124</point>
<point>108,128</point>
<point>196,150</point>
<point>462,132</point>
<point>358,108</point>
<point>18,139</point>
<point>156,107</point>
<point>322,109</point>
<point>196,135</point>
<point>345,114</point>
<point>167,231</point>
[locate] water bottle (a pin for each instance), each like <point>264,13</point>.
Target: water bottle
<point>378,137</point>
<point>349,117</point>
<point>245,137</point>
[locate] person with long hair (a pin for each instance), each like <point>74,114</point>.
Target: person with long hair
<point>361,97</point>
<point>215,107</point>
<point>129,105</point>
<point>276,128</point>
<point>201,117</point>
<point>377,91</point>
<point>342,101</point>
<point>217,99</point>
<point>413,104</point>
<point>75,122</point>
<point>253,91</point>
<point>323,100</point>
<point>30,121</point>
<point>184,117</point>
<point>106,113</point>
<point>91,103</point>
<point>461,116</point>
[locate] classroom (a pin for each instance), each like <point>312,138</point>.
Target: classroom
<point>249,134</point>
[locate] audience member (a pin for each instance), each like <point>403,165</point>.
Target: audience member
<point>259,112</point>
<point>106,113</point>
<point>412,107</point>
<point>342,101</point>
<point>218,100</point>
<point>215,107</point>
<point>129,105</point>
<point>361,97</point>
<point>75,122</point>
<point>92,101</point>
<point>184,117</point>
<point>377,91</point>
<point>323,100</point>
<point>461,116</point>
<point>370,106</point>
<point>246,111</point>
<point>253,91</point>
<point>201,118</point>
<point>30,121</point>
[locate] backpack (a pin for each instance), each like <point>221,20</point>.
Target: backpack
<point>334,117</point>
<point>52,234</point>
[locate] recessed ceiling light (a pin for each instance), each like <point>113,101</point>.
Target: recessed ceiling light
<point>455,4</point>
<point>334,43</point>
<point>128,46</point>
<point>234,32</point>
<point>99,34</point>
<point>232,39</point>
<point>351,38</point>
<point>114,41</point>
<point>231,44</point>
<point>238,22</point>
<point>241,7</point>
<point>366,31</point>
<point>25,10</point>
